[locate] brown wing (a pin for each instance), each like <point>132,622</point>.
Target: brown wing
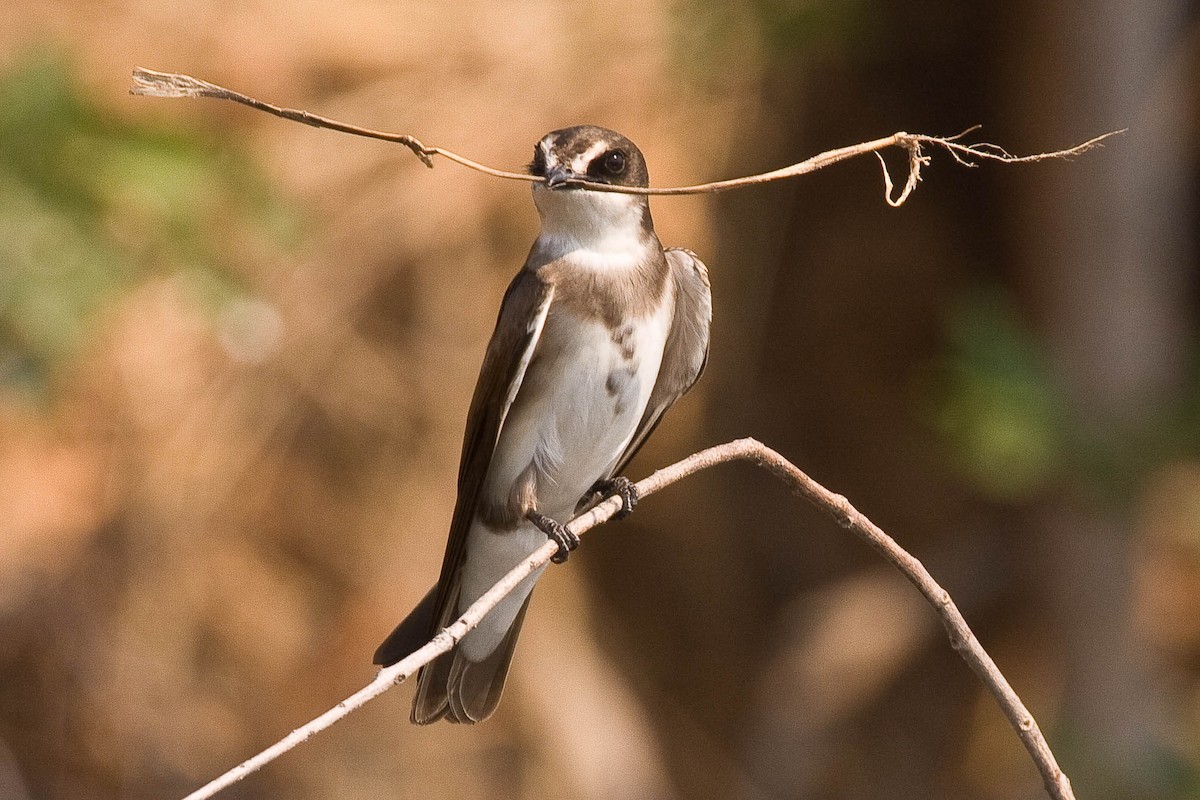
<point>518,328</point>
<point>686,349</point>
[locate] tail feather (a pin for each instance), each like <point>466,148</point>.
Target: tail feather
<point>431,702</point>
<point>473,688</point>
<point>451,686</point>
<point>454,686</point>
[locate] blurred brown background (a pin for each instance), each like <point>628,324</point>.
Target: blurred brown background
<point>236,355</point>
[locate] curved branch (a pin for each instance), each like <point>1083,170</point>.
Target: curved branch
<point>151,83</point>
<point>961,638</point>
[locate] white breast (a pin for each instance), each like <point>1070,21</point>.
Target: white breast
<point>579,405</point>
<point>571,419</point>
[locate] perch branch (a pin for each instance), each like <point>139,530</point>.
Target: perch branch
<point>961,638</point>
<point>166,84</point>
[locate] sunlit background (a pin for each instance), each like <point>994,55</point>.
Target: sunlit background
<point>236,355</point>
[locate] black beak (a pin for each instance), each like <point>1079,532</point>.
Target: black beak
<point>560,176</point>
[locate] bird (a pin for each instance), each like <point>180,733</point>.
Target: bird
<point>599,333</point>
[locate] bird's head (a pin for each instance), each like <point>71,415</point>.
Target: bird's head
<point>588,153</point>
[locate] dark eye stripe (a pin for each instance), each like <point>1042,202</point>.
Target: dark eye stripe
<point>609,165</point>
<point>538,165</point>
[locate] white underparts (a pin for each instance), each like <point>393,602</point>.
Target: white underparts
<point>580,401</point>
<point>591,223</point>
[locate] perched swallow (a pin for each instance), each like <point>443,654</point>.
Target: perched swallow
<point>599,334</point>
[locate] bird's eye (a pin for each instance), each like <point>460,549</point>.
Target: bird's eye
<point>613,162</point>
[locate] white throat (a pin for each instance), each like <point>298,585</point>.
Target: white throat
<point>606,223</point>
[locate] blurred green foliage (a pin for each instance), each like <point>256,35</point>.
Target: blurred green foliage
<point>791,27</point>
<point>90,204</point>
<point>710,36</point>
<point>1003,418</point>
<point>994,402</point>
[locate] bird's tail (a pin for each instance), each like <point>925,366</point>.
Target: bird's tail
<point>451,686</point>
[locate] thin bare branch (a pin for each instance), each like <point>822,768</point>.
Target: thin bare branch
<point>165,84</point>
<point>961,637</point>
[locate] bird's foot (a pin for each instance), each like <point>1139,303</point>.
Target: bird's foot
<point>558,533</point>
<point>622,487</point>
